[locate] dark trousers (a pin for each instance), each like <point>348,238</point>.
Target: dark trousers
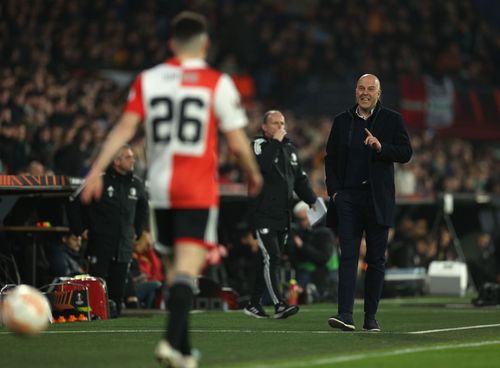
<point>356,214</point>
<point>271,244</point>
<point>115,274</point>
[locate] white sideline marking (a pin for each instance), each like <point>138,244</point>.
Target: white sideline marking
<point>89,332</point>
<point>193,331</point>
<point>453,329</point>
<point>263,331</point>
<point>350,358</point>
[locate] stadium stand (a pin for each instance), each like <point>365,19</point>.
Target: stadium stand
<point>66,66</point>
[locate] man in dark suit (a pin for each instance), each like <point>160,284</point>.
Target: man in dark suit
<point>363,145</point>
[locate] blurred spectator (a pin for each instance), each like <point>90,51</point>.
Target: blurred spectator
<point>42,148</point>
<point>314,254</point>
<point>484,266</point>
<point>214,268</point>
<point>65,259</point>
<point>242,260</point>
<point>35,168</point>
<point>13,148</point>
<point>146,271</point>
<point>405,180</point>
<point>73,157</point>
<point>425,251</point>
<point>446,248</point>
<point>148,261</point>
<point>401,247</point>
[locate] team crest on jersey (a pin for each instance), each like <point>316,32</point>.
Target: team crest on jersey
<point>294,159</point>
<point>110,191</point>
<point>132,194</point>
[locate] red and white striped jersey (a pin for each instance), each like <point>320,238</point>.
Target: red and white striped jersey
<point>182,105</point>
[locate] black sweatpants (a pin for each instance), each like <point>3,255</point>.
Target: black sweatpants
<point>271,244</point>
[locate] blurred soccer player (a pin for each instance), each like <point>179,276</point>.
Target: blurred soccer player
<point>182,102</point>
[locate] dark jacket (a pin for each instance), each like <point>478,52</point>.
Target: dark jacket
<point>64,261</point>
<point>318,246</point>
<point>388,127</point>
<point>115,220</point>
<point>283,174</point>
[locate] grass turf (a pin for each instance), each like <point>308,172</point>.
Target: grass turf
<point>232,339</point>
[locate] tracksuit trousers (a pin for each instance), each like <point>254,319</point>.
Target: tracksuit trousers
<point>271,245</point>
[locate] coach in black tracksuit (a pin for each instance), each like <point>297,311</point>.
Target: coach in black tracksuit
<point>113,223</point>
<point>364,143</point>
<point>270,211</point>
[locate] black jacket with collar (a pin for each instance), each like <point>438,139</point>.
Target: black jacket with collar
<point>115,220</point>
<point>388,127</point>
<point>282,172</point>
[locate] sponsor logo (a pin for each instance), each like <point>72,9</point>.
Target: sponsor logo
<point>190,77</point>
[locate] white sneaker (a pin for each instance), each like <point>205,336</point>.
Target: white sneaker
<point>190,362</point>
<point>168,356</point>
<point>171,358</point>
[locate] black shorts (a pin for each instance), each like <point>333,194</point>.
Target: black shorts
<point>192,225</point>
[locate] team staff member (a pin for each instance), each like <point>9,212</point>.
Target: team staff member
<point>270,212</point>
<point>113,222</point>
<point>182,104</point>
<point>363,145</point>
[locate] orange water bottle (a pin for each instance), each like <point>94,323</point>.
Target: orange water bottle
<point>293,292</point>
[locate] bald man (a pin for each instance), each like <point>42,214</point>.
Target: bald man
<point>363,145</point>
<point>270,212</point>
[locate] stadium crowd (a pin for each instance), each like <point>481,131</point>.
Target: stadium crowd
<point>56,103</point>
<point>66,66</point>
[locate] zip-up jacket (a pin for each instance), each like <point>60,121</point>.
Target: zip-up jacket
<point>115,220</point>
<point>282,172</point>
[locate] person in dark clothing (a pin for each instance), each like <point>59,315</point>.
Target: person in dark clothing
<point>71,157</point>
<point>13,149</point>
<point>65,259</point>
<point>113,222</point>
<point>42,147</point>
<point>146,271</point>
<point>270,211</point>
<point>483,264</point>
<point>242,260</point>
<point>446,250</point>
<point>314,254</point>
<point>363,145</point>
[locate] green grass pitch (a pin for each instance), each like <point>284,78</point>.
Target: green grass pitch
<point>424,332</point>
